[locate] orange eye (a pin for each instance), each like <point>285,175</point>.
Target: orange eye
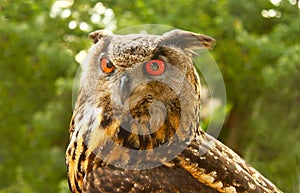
<point>106,66</point>
<point>155,67</point>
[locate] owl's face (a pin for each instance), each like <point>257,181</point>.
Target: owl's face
<point>143,89</point>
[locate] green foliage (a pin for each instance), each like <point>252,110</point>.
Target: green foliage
<point>34,117</point>
<point>259,58</point>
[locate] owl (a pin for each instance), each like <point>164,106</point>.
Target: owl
<point>136,122</point>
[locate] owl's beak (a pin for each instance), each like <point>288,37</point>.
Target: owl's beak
<point>124,88</point>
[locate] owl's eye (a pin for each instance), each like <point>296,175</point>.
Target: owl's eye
<point>155,67</point>
<point>106,66</point>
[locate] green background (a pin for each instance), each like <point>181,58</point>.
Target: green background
<point>258,53</point>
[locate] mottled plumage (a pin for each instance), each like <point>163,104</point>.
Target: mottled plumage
<point>135,126</point>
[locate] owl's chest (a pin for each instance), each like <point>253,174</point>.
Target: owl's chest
<point>161,179</point>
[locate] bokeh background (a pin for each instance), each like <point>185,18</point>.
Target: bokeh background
<point>42,43</point>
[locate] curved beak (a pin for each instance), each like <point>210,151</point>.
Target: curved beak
<point>124,87</point>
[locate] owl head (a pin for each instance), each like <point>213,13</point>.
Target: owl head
<point>143,90</point>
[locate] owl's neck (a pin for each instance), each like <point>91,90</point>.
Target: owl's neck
<point>149,122</point>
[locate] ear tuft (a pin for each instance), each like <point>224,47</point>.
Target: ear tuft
<point>187,40</point>
<point>97,35</point>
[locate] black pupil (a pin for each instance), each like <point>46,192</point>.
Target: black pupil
<point>154,66</point>
<point>109,64</point>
